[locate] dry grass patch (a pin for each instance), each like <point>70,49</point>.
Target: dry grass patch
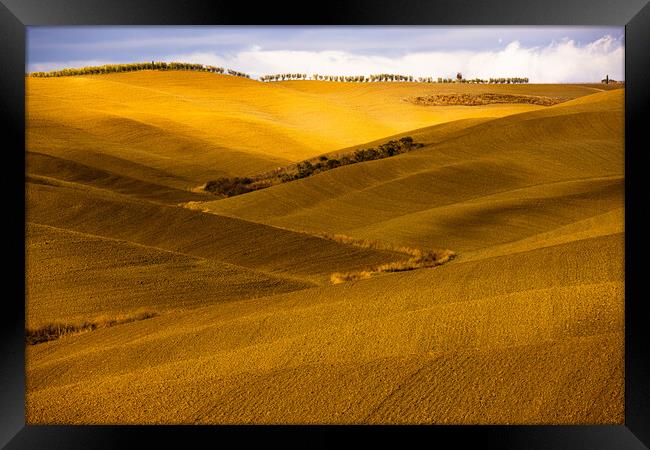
<point>419,258</point>
<point>195,206</point>
<point>371,244</point>
<point>338,277</point>
<point>56,330</point>
<point>483,99</point>
<point>426,258</point>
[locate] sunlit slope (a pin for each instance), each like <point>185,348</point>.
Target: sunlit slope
<point>181,129</point>
<point>533,170</point>
<point>509,339</point>
<point>102,213</point>
<point>525,326</point>
<point>72,276</point>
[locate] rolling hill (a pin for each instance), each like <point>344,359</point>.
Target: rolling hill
<point>523,158</point>
<point>75,276</point>
<point>180,129</point>
<point>208,236</point>
<point>525,325</point>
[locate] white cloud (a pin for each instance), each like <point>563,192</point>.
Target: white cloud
<point>563,61</point>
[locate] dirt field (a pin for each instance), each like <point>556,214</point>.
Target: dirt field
<point>524,326</point>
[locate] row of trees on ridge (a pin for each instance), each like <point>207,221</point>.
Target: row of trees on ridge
<point>383,77</point>
<point>132,67</point>
<point>284,76</point>
<point>388,77</point>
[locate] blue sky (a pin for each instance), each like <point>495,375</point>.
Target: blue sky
<point>544,54</point>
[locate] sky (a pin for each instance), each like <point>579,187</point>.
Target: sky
<point>544,54</point>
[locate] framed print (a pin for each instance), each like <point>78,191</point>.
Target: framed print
<point>274,222</point>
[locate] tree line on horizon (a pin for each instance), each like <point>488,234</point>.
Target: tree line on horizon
<point>383,77</point>
<point>284,76</point>
<point>388,77</point>
<point>133,67</point>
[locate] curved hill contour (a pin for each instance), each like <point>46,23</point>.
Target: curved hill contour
<point>525,326</point>
<point>519,157</point>
<point>180,129</point>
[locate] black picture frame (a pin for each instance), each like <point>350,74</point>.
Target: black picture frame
<point>15,15</point>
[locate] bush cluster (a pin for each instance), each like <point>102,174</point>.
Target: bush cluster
<point>229,186</point>
<point>391,148</point>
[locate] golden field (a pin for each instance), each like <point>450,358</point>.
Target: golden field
<point>524,325</point>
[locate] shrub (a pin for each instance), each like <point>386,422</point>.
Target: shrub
<point>229,186</point>
<point>305,169</point>
<point>367,154</point>
<point>391,148</point>
<point>406,141</point>
<point>333,163</point>
<point>285,177</point>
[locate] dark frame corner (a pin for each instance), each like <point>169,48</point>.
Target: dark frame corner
<point>15,15</point>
